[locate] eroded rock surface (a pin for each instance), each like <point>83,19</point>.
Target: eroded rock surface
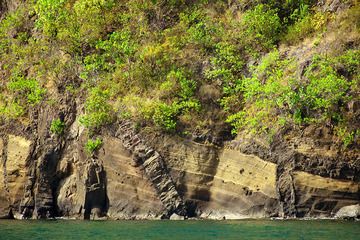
<point>140,176</point>
<point>349,212</point>
<point>15,152</point>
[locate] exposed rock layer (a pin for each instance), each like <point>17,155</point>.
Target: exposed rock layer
<point>136,175</point>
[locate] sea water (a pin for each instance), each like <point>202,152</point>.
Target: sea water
<point>187,230</point>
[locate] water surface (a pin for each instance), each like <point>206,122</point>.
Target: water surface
<point>172,230</point>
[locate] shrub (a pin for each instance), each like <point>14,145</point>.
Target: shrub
<point>180,91</point>
<point>274,99</point>
<point>57,126</point>
<point>198,28</point>
<point>91,17</point>
<point>27,87</point>
<point>261,29</point>
<point>349,61</point>
<point>119,47</point>
<point>165,116</point>
<point>306,26</point>
<point>12,23</point>
<point>93,145</point>
<point>98,111</point>
<point>326,87</point>
<point>227,64</point>
<point>12,110</point>
<point>51,14</point>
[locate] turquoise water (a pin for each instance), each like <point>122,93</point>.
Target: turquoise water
<point>187,230</point>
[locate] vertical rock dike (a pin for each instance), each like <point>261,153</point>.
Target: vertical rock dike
<point>154,168</point>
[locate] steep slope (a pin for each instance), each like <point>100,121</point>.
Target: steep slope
<point>178,109</point>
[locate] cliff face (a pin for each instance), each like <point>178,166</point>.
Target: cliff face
<point>163,86</point>
<point>139,175</point>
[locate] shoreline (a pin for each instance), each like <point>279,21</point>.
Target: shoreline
<point>187,219</point>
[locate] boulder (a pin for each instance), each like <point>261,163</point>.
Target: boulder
<point>176,217</point>
<point>349,212</point>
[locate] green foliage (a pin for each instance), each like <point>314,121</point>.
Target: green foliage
<point>198,27</point>
<point>13,110</point>
<point>111,53</point>
<point>57,126</point>
<point>326,87</point>
<point>180,65</point>
<point>98,111</point>
<point>290,10</point>
<point>28,88</point>
<point>347,136</point>
<point>119,47</point>
<point>349,61</point>
<point>166,115</point>
<point>226,64</point>
<point>10,24</point>
<point>274,97</point>
<point>186,87</point>
<point>305,26</point>
<point>261,29</point>
<point>51,14</point>
<point>93,145</point>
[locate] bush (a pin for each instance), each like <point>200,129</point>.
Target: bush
<point>180,92</point>
<point>57,126</point>
<point>165,116</point>
<point>261,29</point>
<point>91,17</point>
<point>274,98</point>
<point>199,30</point>
<point>93,145</point>
<point>51,14</point>
<point>346,136</point>
<point>28,88</point>
<point>227,64</point>
<point>12,110</point>
<point>306,26</point>
<point>98,111</point>
<point>12,23</point>
<point>326,87</point>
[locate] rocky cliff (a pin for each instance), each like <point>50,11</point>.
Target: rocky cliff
<point>135,175</point>
<point>167,150</point>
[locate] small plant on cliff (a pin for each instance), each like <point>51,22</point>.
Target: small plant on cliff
<point>166,114</point>
<point>98,110</point>
<point>93,145</point>
<point>25,87</point>
<point>57,126</point>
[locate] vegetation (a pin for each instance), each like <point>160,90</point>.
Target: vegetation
<point>184,66</point>
<point>97,109</point>
<point>93,145</point>
<point>57,126</point>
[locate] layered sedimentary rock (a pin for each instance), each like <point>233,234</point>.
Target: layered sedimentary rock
<point>130,194</point>
<point>137,176</point>
<point>221,182</point>
<point>317,196</point>
<point>15,151</point>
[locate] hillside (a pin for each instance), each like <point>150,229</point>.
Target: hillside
<point>211,109</point>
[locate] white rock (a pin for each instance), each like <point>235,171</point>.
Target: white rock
<point>174,216</point>
<point>351,211</point>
